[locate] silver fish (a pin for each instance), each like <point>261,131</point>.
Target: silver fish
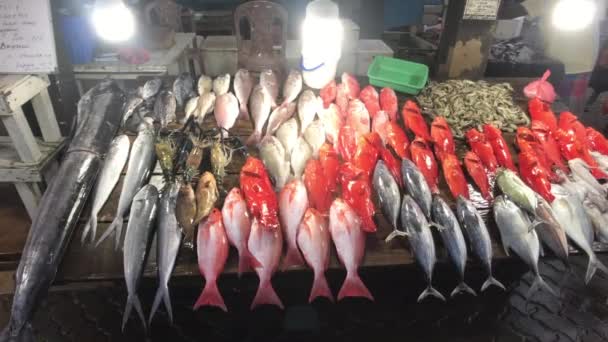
<point>140,230</point>
<point>191,107</point>
<point>516,235</point>
<point>417,228</point>
<point>204,85</point>
<point>273,156</point>
<point>299,156</point>
<point>133,102</point>
<point>315,136</point>
<point>513,187</point>
<point>550,231</point>
<point>164,108</point>
<point>169,237</point>
<point>221,84</point>
<point>279,115</point>
<point>288,135</point>
<point>308,105</point>
<point>599,220</point>
<point>292,87</point>
<point>269,81</point>
<point>416,186</point>
<point>580,171</point>
<point>150,88</point>
<point>453,240</point>
<point>601,160</point>
<point>479,238</point>
<point>183,88</point>
<point>114,162</point>
<point>206,104</point>
<point>139,167</point>
<point>388,195</point>
<point>259,104</point>
<point>243,84</point>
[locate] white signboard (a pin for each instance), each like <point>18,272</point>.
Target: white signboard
<point>481,9</point>
<point>27,44</point>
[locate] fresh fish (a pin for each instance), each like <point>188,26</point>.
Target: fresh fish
<point>190,109</point>
<point>315,136</point>
<point>243,84</point>
<point>602,160</point>
<point>516,190</point>
<point>357,192</point>
<point>226,111</point>
<point>550,231</point>
<point>293,202</point>
<point>288,135</point>
<point>204,85</point>
<point>183,88</point>
<point>397,140</point>
<point>261,200</point>
<point>164,108</point>
<point>580,171</point>
<point>238,227</point>
<point>138,236</point>
<point>220,157</point>
<point>414,121</point>
<point>342,99</point>
<point>185,210</point>
<point>328,93</point>
<point>139,167</point>
<point>358,117</point>
<point>453,240</point>
<point>477,172</point>
<point>206,196</point>
<point>454,177</point>
<point>389,103</point>
<point>367,153</point>
<point>266,246</point>
<point>332,122</point>
<point>269,81</point>
<point>206,104</point>
<point>279,115</point>
<point>99,117</point>
<point>212,252</point>
<point>330,163</point>
<point>516,235</point>
<point>114,163</point>
<point>273,155</point>
<point>416,186</point>
<point>317,185</point>
<point>417,229</point>
<point>596,141</point>
<point>169,238</point>
<point>259,103</point>
<point>479,238</point>
<point>349,239</point>
<point>299,156</point>
<point>141,118</point>
<point>380,125</point>
<point>571,213</point>
<point>308,106</point>
<point>599,220</point>
<point>132,104</point>
<point>292,87</point>
<point>388,195</point>
<point>351,85</point>
<point>314,242</point>
<point>499,146</point>
<point>221,85</point>
<point>442,136</point>
<point>423,157</point>
<point>370,98</point>
<point>150,88</point>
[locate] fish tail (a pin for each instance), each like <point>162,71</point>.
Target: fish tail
<point>430,291</point>
<point>210,296</point>
<point>463,288</point>
<point>594,264</point>
<point>492,281</point>
<point>113,226</point>
<point>254,138</point>
<point>536,285</point>
<point>320,288</point>
<point>25,334</point>
<point>133,301</point>
<point>161,294</point>
<point>266,295</point>
<point>247,261</point>
<point>292,258</point>
<point>354,287</point>
<point>395,233</point>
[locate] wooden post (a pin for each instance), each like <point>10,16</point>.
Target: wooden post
<point>21,135</point>
<point>45,114</point>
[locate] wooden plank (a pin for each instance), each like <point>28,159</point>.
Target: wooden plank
<point>14,170</point>
<point>21,135</point>
<point>23,89</point>
<point>43,108</point>
<point>30,196</point>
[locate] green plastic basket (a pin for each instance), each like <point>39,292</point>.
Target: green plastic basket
<point>401,75</point>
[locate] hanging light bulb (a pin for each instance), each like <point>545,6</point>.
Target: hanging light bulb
<point>113,21</point>
<point>573,15</point>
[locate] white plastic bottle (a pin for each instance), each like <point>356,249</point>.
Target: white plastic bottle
<point>321,43</point>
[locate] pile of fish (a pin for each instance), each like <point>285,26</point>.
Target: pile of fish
<point>468,104</point>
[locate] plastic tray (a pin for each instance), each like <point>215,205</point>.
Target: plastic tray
<point>401,75</point>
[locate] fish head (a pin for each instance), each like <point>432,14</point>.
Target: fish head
<point>474,136</point>
<point>491,132</point>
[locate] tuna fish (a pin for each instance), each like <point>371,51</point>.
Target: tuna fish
<point>266,246</point>
<point>388,194</point>
<point>238,226</point>
<point>293,202</point>
<point>416,186</point>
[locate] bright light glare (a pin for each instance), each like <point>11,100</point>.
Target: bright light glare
<point>322,37</point>
<point>573,15</point>
<point>113,21</point>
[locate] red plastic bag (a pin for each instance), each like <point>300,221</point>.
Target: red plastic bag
<point>541,89</point>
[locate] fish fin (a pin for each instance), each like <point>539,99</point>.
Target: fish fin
<point>85,231</point>
<point>536,285</point>
<point>437,225</point>
<point>292,258</point>
<point>430,291</point>
<point>247,261</point>
<point>254,138</point>
<point>133,301</point>
<point>266,295</point>
<point>118,221</point>
<point>492,281</point>
<point>395,233</point>
<point>354,287</point>
<point>462,288</point>
<point>594,264</point>
<point>210,296</point>
<point>320,288</point>
<point>161,294</point>
<point>535,223</point>
<point>25,334</point>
